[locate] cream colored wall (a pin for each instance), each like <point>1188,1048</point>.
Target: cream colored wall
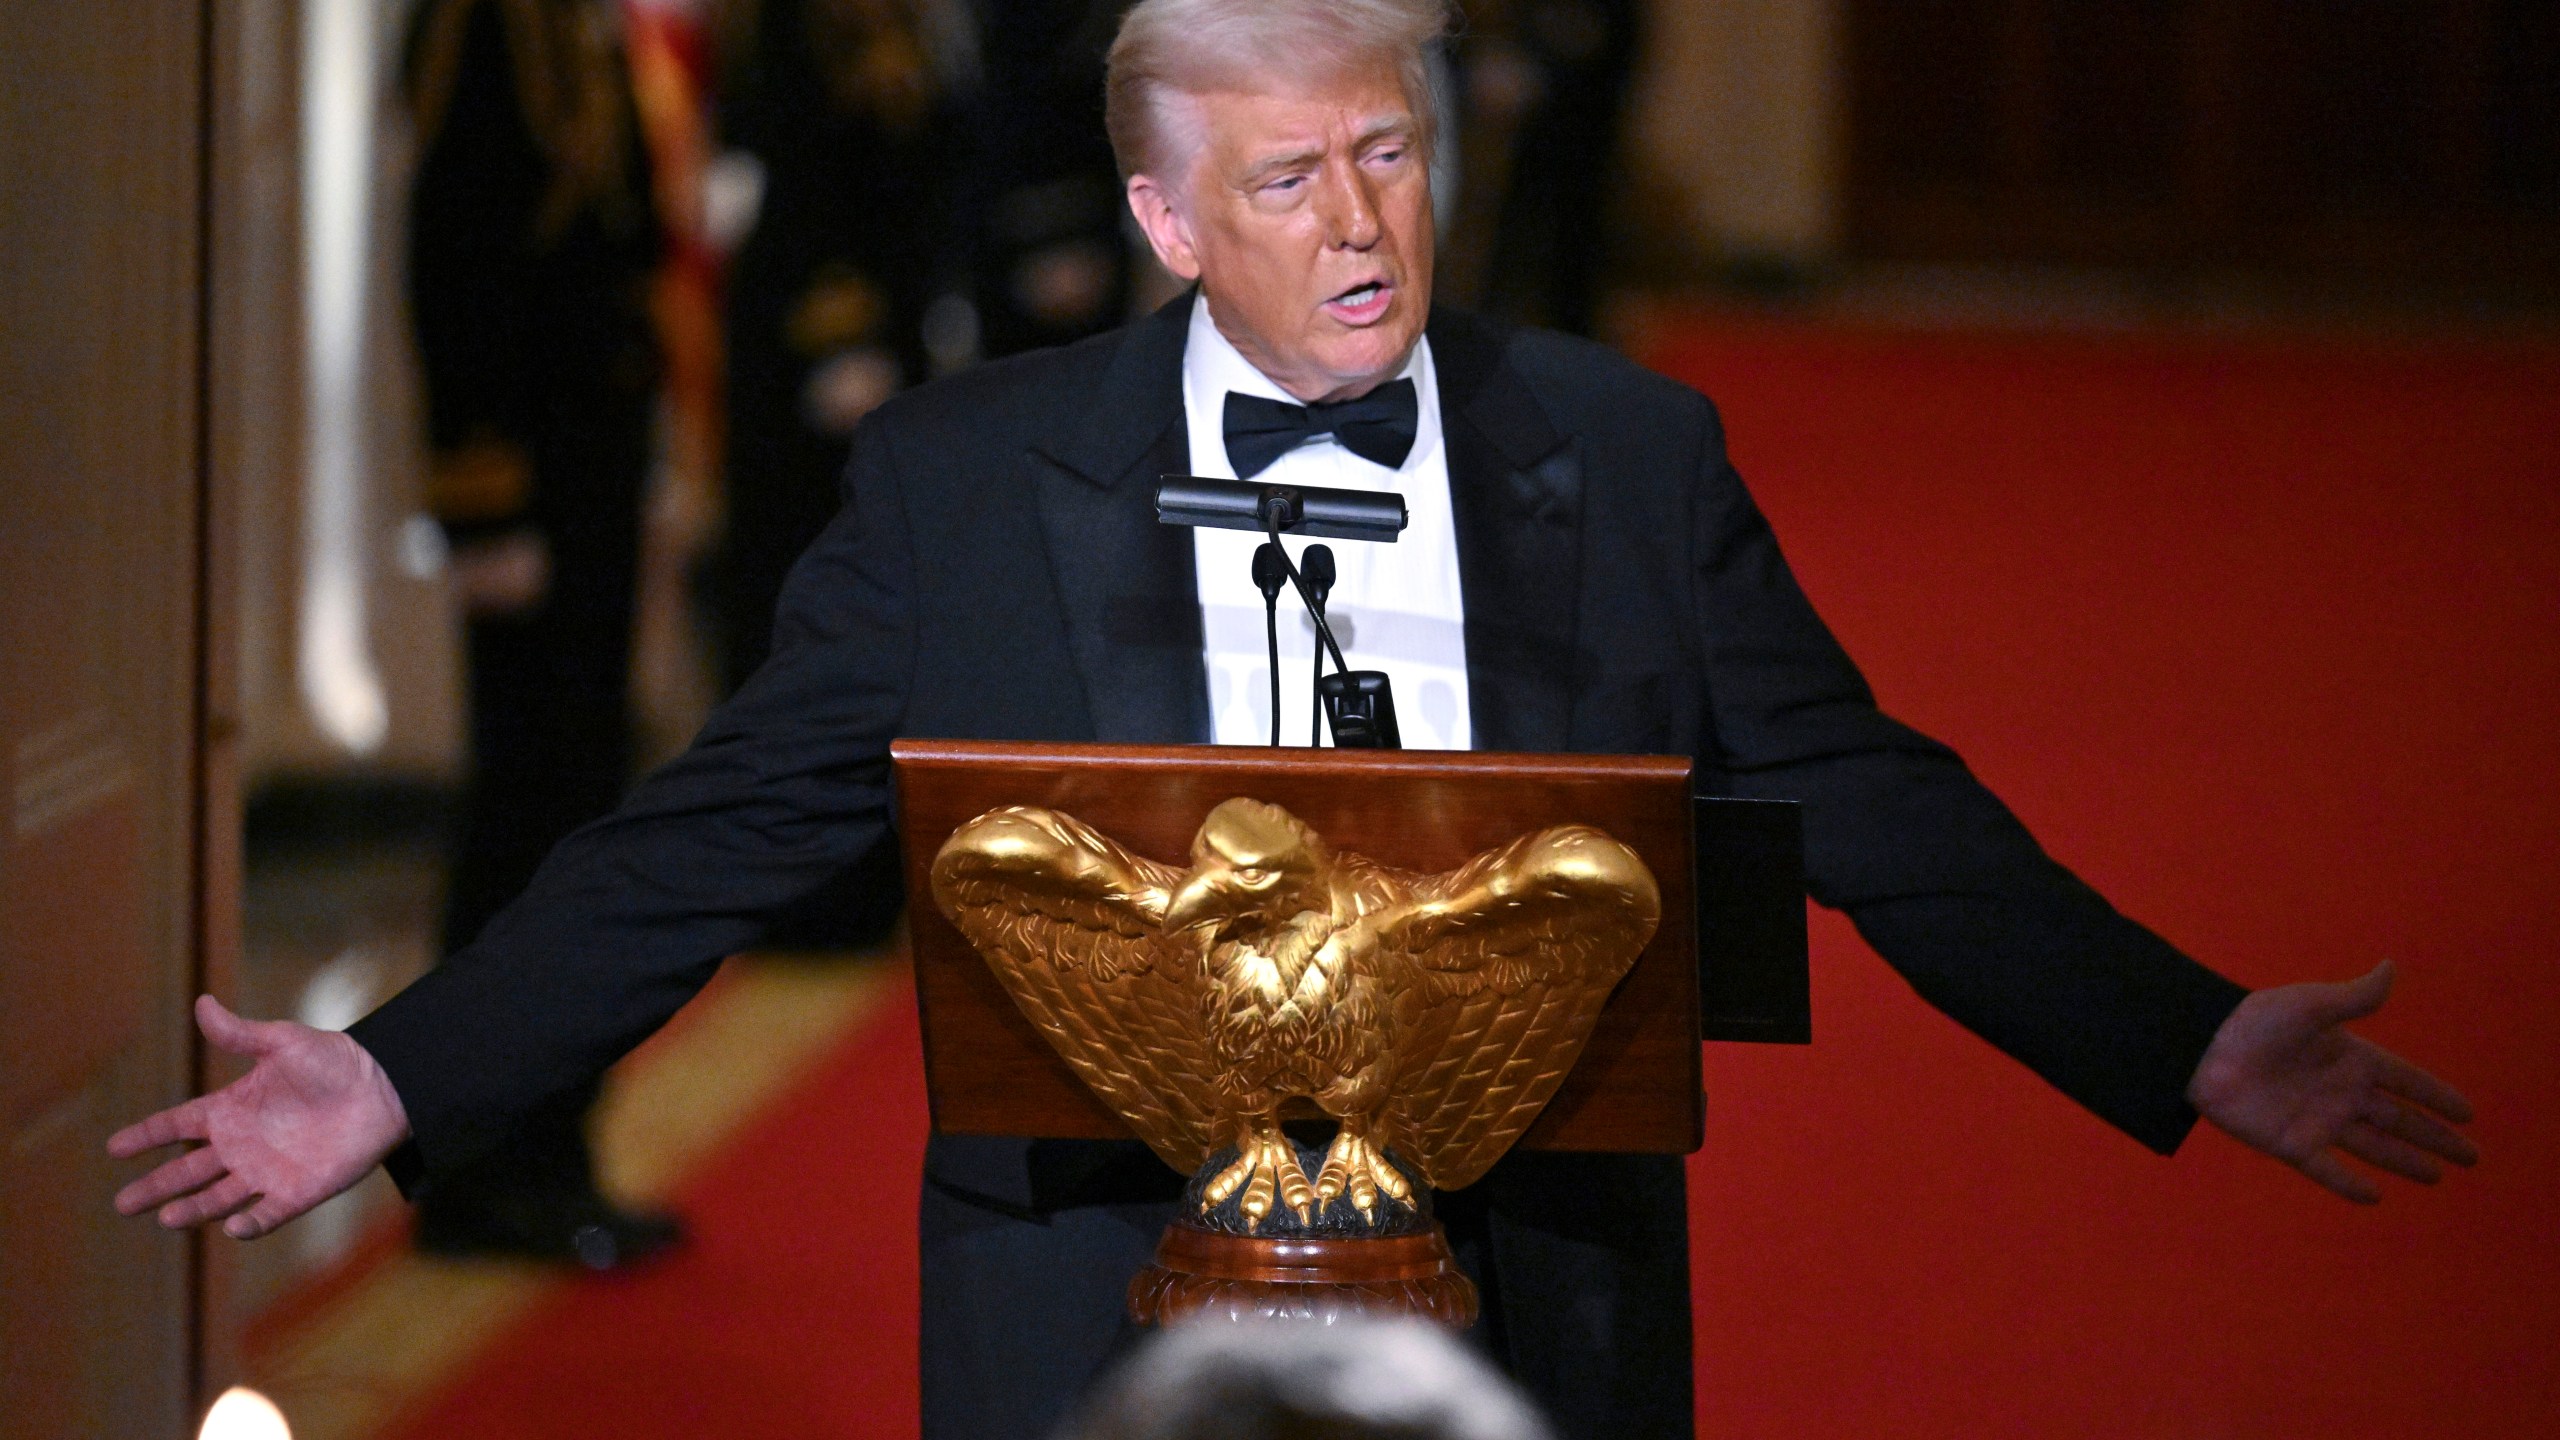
<point>1737,115</point>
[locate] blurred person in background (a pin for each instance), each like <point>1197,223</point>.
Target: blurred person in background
<point>1054,258</point>
<point>1541,106</point>
<point>849,122</point>
<point>849,115</point>
<point>532,245</point>
<point>930,185</point>
<point>1353,1379</point>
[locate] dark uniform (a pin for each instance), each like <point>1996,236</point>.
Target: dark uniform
<point>531,249</point>
<point>853,127</point>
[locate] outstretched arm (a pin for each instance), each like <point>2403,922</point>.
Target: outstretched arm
<point>1938,875</point>
<point>785,787</point>
<point>2283,1076</point>
<point>1951,889</point>
<point>308,1120</point>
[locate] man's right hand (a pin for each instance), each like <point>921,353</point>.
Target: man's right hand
<point>308,1120</point>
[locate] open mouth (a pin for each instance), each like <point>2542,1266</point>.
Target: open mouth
<point>1361,303</point>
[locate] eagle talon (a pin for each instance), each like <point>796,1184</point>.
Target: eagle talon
<point>1265,1169</point>
<point>1356,1169</point>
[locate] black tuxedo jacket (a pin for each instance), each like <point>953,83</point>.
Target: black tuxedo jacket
<point>997,572</point>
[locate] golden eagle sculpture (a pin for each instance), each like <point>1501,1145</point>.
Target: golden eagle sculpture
<point>1432,1016</point>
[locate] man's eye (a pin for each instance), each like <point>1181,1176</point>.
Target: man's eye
<point>1251,875</point>
<point>1286,183</point>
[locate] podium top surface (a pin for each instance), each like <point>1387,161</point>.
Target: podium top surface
<point>1637,1086</point>
<point>1262,759</point>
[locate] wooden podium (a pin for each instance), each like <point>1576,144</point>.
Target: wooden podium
<point>1636,1087</point>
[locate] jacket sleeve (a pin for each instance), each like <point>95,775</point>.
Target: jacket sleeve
<point>786,786</point>
<point>1933,869</point>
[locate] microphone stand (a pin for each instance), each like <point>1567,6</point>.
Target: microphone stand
<point>1359,702</point>
<point>1278,511</point>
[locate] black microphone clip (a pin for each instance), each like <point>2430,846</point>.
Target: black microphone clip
<point>1362,708</point>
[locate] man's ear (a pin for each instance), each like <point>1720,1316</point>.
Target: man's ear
<point>1166,231</point>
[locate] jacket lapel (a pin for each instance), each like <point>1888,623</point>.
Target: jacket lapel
<point>1131,596</point>
<point>1126,583</point>
<point>1516,487</point>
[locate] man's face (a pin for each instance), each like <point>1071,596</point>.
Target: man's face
<point>1306,217</point>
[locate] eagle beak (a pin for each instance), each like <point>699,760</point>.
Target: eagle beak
<point>1199,901</point>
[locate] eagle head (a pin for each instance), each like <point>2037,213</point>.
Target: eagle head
<point>1254,867</point>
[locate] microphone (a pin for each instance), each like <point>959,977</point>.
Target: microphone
<point>1357,702</point>
<point>1317,565</point>
<point>1270,574</point>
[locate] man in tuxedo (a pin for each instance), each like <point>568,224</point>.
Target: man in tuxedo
<point>1584,572</point>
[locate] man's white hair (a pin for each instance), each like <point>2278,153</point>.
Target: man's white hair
<point>1168,49</point>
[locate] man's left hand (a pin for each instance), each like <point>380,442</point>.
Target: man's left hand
<point>2283,1076</point>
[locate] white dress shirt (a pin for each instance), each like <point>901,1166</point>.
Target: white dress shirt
<point>1394,607</point>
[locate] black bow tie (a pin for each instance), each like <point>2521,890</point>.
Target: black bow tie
<point>1377,427</point>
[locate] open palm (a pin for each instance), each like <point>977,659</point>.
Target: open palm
<point>2284,1076</point>
<point>308,1120</point>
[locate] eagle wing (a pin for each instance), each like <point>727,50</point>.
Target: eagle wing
<point>1497,971</point>
<point>1073,926</point>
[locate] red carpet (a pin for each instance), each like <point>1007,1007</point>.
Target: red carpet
<point>2259,636</point>
<point>791,1315</point>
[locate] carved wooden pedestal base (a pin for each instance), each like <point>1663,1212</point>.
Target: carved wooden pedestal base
<point>1244,1277</point>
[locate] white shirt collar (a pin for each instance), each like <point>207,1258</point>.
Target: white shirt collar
<point>1212,366</point>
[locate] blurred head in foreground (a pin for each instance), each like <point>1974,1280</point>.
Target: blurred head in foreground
<point>1353,1380</point>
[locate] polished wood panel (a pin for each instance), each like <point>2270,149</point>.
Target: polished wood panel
<point>989,1072</point>
<point>2397,138</point>
<point>102,616</point>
